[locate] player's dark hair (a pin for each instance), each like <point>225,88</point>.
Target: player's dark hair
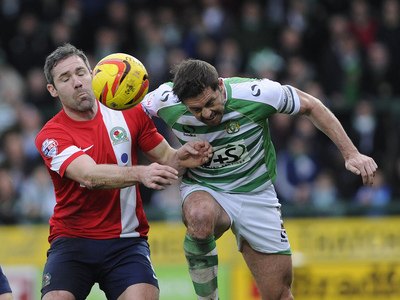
<point>192,77</point>
<point>61,53</point>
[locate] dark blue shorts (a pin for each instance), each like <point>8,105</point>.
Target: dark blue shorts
<point>4,285</point>
<point>76,264</point>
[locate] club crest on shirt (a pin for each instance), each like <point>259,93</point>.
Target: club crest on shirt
<point>118,135</point>
<point>232,127</point>
<point>49,148</point>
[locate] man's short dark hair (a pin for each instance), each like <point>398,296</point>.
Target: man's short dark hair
<point>192,77</point>
<point>61,53</point>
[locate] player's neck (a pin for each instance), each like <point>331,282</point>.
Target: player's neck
<point>86,115</point>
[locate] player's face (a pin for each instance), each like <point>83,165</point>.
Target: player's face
<point>208,107</point>
<point>73,85</point>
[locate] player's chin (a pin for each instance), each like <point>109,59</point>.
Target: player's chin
<point>86,103</point>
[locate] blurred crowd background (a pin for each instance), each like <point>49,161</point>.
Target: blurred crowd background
<point>345,52</point>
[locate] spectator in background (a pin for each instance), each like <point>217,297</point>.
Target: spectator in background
<point>61,32</point>
<point>29,123</point>
<point>12,88</point>
<point>366,130</point>
<point>206,49</point>
<point>155,58</point>
<point>374,199</point>
<point>107,40</point>
<point>252,31</point>
<point>8,198</point>
<point>380,76</point>
<point>298,72</point>
<point>297,169</point>
<point>5,289</point>
<point>265,63</point>
<point>169,25</point>
<point>362,24</point>
<point>389,34</point>
<point>36,202</point>
<point>215,19</point>
<point>341,65</point>
<point>229,60</point>
<point>14,159</point>
<point>29,45</point>
<point>118,18</point>
<point>142,21</point>
<point>37,96</point>
<point>324,195</point>
<point>297,15</point>
<point>290,43</point>
<point>364,126</point>
<point>396,177</point>
<point>281,130</point>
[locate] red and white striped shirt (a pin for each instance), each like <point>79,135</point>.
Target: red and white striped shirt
<point>112,137</point>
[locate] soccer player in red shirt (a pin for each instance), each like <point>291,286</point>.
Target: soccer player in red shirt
<point>98,232</point>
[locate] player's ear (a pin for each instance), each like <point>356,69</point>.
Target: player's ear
<point>221,84</point>
<point>52,90</point>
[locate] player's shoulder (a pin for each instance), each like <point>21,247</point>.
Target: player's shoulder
<point>52,130</point>
<point>249,84</point>
<point>160,98</point>
<point>54,124</point>
<point>254,89</point>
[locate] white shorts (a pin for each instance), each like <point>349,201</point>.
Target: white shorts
<point>255,218</point>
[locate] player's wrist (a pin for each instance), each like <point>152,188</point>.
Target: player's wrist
<point>137,173</point>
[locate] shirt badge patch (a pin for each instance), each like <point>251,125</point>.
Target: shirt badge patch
<point>49,148</point>
<point>232,127</point>
<point>118,135</point>
<point>46,279</point>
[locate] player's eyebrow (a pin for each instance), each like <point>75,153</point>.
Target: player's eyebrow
<point>63,74</point>
<point>66,73</point>
<point>211,99</point>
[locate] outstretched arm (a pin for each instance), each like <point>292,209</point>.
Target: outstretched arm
<point>327,122</point>
<point>84,170</point>
<point>190,155</point>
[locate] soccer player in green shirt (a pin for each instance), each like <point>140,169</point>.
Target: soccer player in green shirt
<point>235,188</point>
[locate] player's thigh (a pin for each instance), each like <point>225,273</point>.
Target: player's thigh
<point>202,213</point>
<point>66,274</point>
<point>140,291</point>
<point>272,272</point>
<point>129,268</point>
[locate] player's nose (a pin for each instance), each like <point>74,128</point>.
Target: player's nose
<point>77,82</point>
<point>206,113</point>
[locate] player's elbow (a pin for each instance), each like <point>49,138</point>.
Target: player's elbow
<point>90,184</point>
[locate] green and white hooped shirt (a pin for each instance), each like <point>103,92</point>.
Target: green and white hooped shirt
<point>244,159</point>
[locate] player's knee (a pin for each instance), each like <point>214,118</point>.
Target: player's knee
<point>200,223</point>
<point>286,293</point>
<point>62,295</point>
<point>6,296</point>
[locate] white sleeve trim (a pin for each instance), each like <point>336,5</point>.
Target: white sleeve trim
<point>290,102</point>
<point>59,159</point>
